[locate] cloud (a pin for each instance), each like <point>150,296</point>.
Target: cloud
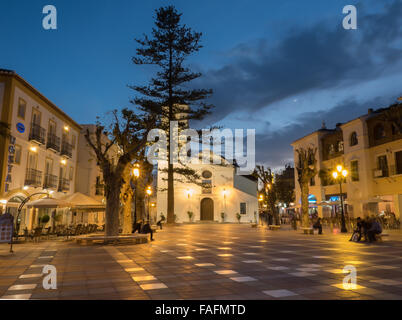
<point>318,57</point>
<point>274,150</point>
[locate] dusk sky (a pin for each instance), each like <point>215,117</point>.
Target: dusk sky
<point>281,67</point>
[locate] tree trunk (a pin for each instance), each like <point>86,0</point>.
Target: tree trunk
<point>304,202</point>
<point>127,214</point>
<point>112,210</point>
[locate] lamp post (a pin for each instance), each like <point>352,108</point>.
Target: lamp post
<point>339,174</point>
<point>149,192</point>
<point>136,174</point>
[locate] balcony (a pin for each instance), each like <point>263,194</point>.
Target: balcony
<point>66,149</point>
<point>53,142</point>
<point>380,173</point>
<point>50,182</point>
<point>33,178</point>
<point>64,185</point>
<point>99,189</point>
<point>37,134</point>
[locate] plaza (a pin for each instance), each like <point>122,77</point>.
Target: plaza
<point>207,261</point>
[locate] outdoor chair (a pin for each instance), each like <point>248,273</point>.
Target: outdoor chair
<point>37,234</point>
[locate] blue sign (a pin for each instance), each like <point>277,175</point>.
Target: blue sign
<point>20,127</point>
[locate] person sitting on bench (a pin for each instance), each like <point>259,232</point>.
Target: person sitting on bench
<point>146,228</point>
<point>159,223</point>
<point>318,226</point>
<point>374,230</point>
<point>137,226</point>
<point>357,233</point>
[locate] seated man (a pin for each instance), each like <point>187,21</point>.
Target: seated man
<point>146,228</point>
<point>137,226</point>
<point>318,226</point>
<point>159,223</point>
<point>374,230</point>
<point>357,233</point>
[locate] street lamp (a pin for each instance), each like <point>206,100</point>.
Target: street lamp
<point>149,192</point>
<point>339,174</point>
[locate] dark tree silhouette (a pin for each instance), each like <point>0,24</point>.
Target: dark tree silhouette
<point>168,93</point>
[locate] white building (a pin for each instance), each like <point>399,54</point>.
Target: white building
<point>222,191</point>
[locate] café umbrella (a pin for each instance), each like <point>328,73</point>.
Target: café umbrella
<point>48,203</point>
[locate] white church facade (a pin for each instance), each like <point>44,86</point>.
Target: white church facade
<point>219,197</point>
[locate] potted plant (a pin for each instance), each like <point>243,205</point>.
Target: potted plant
<point>190,215</point>
<point>44,219</point>
<point>223,216</point>
<point>238,216</point>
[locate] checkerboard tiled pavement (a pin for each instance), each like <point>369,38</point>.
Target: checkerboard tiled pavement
<point>207,262</point>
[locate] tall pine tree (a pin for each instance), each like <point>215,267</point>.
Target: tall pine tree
<point>168,93</point>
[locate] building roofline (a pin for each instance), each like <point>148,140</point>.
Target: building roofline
<point>12,73</point>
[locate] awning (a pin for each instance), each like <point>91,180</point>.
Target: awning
<point>376,200</point>
<point>48,203</point>
<point>81,201</point>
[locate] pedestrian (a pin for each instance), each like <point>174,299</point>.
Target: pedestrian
<point>357,233</point>
<point>374,230</point>
<point>137,226</point>
<point>146,228</point>
<point>159,223</point>
<point>318,225</point>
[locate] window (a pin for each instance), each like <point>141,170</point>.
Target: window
<point>73,141</point>
<point>331,149</point>
<point>353,139</point>
<point>206,174</point>
<point>354,170</point>
<point>22,106</point>
<point>312,181</point>
<point>379,132</point>
<point>243,208</point>
<point>206,186</point>
<point>382,164</point>
<point>398,162</point>
<point>340,146</point>
<point>71,174</point>
<point>17,154</point>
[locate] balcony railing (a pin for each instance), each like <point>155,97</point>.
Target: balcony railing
<point>64,185</point>
<point>37,133</point>
<point>66,149</point>
<point>33,178</point>
<point>99,189</point>
<point>53,142</point>
<point>50,182</point>
<point>381,173</point>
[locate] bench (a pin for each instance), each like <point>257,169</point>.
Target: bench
<point>274,227</point>
<point>136,238</point>
<point>308,230</point>
<point>379,237</point>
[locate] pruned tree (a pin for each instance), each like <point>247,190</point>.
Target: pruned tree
<point>168,93</point>
<point>306,169</point>
<point>285,186</point>
<point>128,133</point>
<point>266,176</point>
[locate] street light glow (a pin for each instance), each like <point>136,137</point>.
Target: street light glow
<point>339,168</point>
<point>149,191</point>
<point>136,172</point>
